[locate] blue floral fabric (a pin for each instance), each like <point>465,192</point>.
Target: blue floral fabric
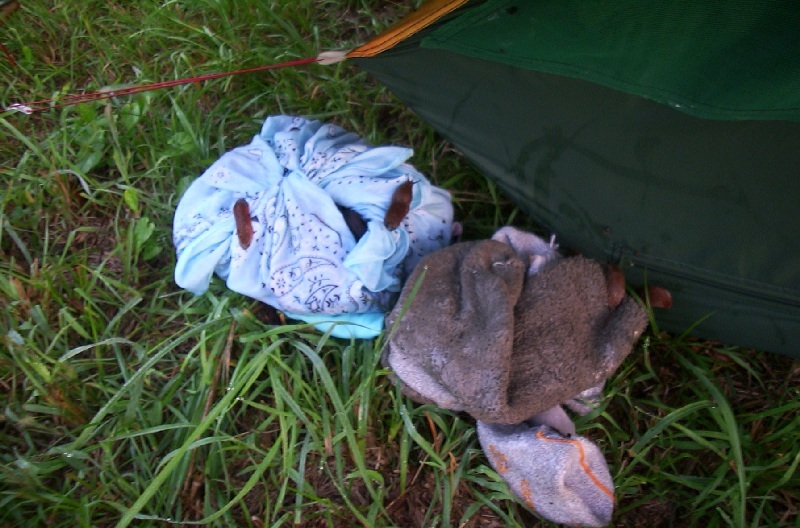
<point>303,259</point>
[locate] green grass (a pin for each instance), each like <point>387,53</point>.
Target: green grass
<point>126,401</point>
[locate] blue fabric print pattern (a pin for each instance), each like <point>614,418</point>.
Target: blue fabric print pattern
<point>303,258</point>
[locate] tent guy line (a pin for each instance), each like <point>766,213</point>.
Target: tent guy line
<point>426,15</point>
<point>107,93</point>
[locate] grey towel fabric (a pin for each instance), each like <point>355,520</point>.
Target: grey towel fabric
<point>566,337</point>
<point>453,346</point>
<point>508,330</point>
<point>483,337</point>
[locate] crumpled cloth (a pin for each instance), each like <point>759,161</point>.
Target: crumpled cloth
<point>303,259</point>
<point>510,331</point>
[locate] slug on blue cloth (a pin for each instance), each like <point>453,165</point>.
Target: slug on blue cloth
<point>399,206</point>
<point>244,225</point>
<point>289,244</point>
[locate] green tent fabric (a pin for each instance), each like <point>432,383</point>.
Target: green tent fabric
<point>665,138</point>
<point>721,60</point>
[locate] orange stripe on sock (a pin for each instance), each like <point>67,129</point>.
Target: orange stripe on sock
<point>584,465</point>
<point>500,460</point>
<point>527,496</point>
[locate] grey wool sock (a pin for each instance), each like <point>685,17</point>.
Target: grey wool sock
<point>565,480</point>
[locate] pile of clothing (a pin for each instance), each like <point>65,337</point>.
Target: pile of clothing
<point>319,224</point>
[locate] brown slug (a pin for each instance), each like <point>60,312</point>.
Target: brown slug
<point>615,281</point>
<point>659,297</point>
<point>244,225</point>
<point>399,205</point>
